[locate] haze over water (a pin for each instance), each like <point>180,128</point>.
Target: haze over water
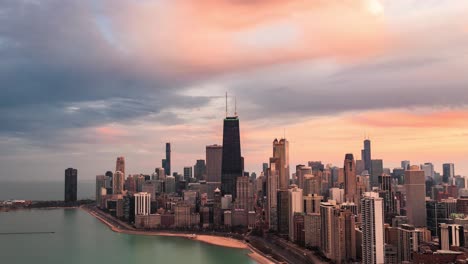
<point>43,190</point>
<point>80,238</point>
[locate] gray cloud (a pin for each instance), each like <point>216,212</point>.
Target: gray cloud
<point>58,70</point>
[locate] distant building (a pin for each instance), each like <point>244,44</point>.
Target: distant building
<point>214,158</point>
<point>415,196</point>
<point>187,173</point>
<point>170,184</point>
<point>366,155</point>
<point>160,174</point>
<point>167,167</point>
<point>405,164</point>
<point>120,165</point>
<point>448,172</point>
<point>377,170</point>
<point>118,183</point>
<point>199,170</point>
<point>100,184</point>
<point>71,184</point>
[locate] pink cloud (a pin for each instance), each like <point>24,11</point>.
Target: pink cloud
<point>415,120</point>
<point>223,34</point>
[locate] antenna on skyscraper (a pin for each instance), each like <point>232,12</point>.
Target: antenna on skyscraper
<point>226,105</point>
<point>235,106</point>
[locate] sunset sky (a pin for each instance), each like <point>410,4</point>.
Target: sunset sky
<point>85,81</point>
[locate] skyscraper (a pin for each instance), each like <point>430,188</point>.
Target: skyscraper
<point>71,184</point>
<point>405,164</point>
<point>187,173</point>
<point>243,193</point>
<point>350,178</point>
<point>120,165</point>
<point>160,174</point>
<point>232,159</point>
<point>118,182</point>
<point>142,203</point>
<point>377,170</point>
<point>372,229</point>
<point>214,158</point>
<point>281,151</point>
<point>415,185</point>
<point>448,170</point>
<point>100,185</point>
<point>366,156</point>
<point>199,170</point>
<point>272,197</point>
<point>428,169</point>
<point>167,168</point>
<point>296,205</point>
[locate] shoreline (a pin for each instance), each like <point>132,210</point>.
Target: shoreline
<point>208,239</point>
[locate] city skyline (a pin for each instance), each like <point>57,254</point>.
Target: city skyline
<point>399,79</point>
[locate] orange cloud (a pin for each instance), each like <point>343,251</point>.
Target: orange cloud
<point>415,120</point>
<point>227,34</point>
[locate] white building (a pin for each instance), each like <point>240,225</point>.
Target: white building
<point>373,251</point>
<point>142,203</point>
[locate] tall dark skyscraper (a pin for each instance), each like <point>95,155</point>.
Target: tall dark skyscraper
<point>366,156</point>
<point>167,167</point>
<point>232,159</point>
<point>71,185</point>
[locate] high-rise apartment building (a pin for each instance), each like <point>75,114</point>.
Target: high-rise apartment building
<point>142,203</point>
<point>118,182</point>
<point>214,158</point>
<point>415,186</point>
<point>71,184</point>
<point>373,245</point>
<point>232,165</point>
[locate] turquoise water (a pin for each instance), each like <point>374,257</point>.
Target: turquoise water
<point>80,238</point>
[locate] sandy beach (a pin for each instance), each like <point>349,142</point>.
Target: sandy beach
<point>213,240</point>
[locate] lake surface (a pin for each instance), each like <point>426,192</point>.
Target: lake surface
<point>79,238</point>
